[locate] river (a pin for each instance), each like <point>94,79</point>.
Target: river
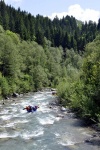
<point>43,129</point>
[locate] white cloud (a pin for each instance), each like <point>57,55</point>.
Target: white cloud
<point>79,13</point>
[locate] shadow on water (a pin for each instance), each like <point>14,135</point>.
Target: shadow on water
<point>85,122</point>
<point>79,123</point>
<point>95,142</point>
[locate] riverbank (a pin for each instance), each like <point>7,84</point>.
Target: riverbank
<point>95,138</point>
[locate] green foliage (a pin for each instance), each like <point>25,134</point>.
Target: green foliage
<point>4,87</point>
<point>91,72</point>
<point>64,89</point>
<point>9,59</point>
<point>39,77</point>
<point>28,58</point>
<point>73,58</point>
<point>1,29</point>
<point>81,89</point>
<point>25,84</point>
<point>91,69</point>
<point>66,86</point>
<point>14,36</point>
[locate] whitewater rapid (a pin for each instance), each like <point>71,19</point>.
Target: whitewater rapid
<point>43,129</point>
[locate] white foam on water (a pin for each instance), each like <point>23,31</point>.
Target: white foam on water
<point>44,109</point>
<point>4,117</point>
<point>67,139</point>
<point>9,110</point>
<point>22,111</point>
<point>68,142</point>
<point>21,121</point>
<point>37,96</point>
<point>40,97</point>
<point>14,110</point>
<point>44,104</point>
<point>24,102</point>
<point>57,135</point>
<point>9,125</point>
<point>58,118</point>
<point>52,116</point>
<point>85,133</point>
<point>14,104</point>
<point>5,111</point>
<point>33,134</point>
<point>46,120</point>
<point>6,135</point>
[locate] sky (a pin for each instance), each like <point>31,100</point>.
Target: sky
<point>83,10</point>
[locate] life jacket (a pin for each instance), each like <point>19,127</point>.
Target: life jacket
<point>28,108</point>
<point>31,109</point>
<point>34,108</point>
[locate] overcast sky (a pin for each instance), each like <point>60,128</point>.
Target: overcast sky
<point>83,10</point>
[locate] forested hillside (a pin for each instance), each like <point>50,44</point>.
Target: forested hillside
<point>36,52</point>
<point>66,32</point>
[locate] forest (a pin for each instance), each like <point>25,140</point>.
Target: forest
<point>36,52</point>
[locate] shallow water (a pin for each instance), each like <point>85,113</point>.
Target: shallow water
<point>43,129</point>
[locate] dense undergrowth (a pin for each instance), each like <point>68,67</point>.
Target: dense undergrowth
<point>81,89</point>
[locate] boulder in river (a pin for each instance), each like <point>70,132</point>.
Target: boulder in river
<point>60,115</point>
<point>15,94</point>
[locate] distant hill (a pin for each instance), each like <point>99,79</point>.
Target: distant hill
<point>66,32</point>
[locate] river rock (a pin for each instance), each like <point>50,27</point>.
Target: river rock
<point>60,115</point>
<point>15,94</point>
<point>63,108</point>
